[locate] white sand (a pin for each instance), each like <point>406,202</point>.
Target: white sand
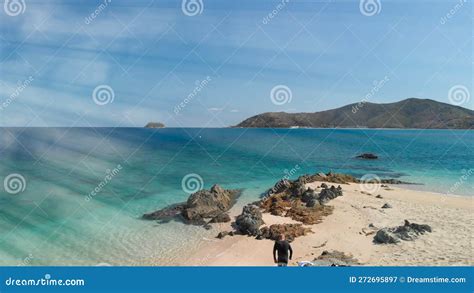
<point>450,243</point>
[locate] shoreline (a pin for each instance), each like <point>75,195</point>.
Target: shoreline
<point>450,243</point>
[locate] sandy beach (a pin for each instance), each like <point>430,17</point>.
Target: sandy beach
<point>347,230</point>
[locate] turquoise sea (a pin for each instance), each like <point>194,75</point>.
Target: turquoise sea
<point>75,196</point>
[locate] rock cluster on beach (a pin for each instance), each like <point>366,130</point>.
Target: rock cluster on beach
<point>408,232</point>
<point>201,207</point>
<point>288,198</point>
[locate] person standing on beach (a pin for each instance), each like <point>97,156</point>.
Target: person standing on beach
<point>281,248</point>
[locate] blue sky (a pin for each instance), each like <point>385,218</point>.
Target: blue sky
<point>154,57</point>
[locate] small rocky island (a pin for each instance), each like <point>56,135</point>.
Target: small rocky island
<point>154,125</point>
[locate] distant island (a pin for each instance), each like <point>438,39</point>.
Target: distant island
<point>154,125</point>
<point>409,113</point>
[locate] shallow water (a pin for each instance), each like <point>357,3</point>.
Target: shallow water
<point>85,189</point>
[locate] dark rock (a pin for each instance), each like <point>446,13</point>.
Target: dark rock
<point>368,156</point>
<point>408,232</point>
<point>204,204</point>
<point>334,259</point>
<point>281,186</point>
<point>223,234</point>
<point>378,196</point>
<point>299,188</point>
<point>386,206</point>
<point>249,221</point>
<point>291,231</point>
<point>324,185</point>
<point>221,218</point>
<point>328,194</point>
<point>154,125</point>
<point>310,197</point>
<point>209,203</point>
<point>386,235</point>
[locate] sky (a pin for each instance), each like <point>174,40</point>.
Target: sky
<point>204,63</point>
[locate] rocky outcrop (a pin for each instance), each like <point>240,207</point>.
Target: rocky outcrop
<point>154,125</point>
<point>279,187</point>
<point>328,194</point>
<point>204,204</point>
<point>302,204</point>
<point>367,156</point>
<point>224,234</point>
<point>209,203</point>
<point>291,231</point>
<point>166,214</point>
<point>249,221</point>
<point>334,259</point>
<point>408,232</point>
<point>298,187</point>
<point>277,204</point>
<point>332,178</point>
<point>311,198</point>
<point>221,218</point>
